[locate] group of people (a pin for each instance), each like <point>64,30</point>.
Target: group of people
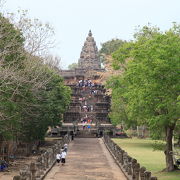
<point>87,108</point>
<point>85,83</point>
<point>86,121</point>
<point>61,156</point>
<point>88,83</point>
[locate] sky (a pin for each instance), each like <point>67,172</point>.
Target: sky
<point>107,19</point>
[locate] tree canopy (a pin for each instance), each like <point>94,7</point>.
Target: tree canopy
<point>73,66</point>
<point>32,93</point>
<point>109,47</point>
<point>148,89</point>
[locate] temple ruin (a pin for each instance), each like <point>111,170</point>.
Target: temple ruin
<point>93,96</point>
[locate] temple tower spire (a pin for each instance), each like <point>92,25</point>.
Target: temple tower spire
<point>89,55</point>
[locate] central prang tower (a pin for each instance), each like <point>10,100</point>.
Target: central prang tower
<point>89,58</point>
<point>89,64</point>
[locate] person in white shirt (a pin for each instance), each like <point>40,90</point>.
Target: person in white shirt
<point>65,148</point>
<point>63,157</point>
<point>58,158</point>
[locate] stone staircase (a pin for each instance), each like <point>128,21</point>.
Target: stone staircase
<point>96,113</point>
<point>86,134</point>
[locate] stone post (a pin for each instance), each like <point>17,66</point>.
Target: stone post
<point>16,178</point>
<point>122,157</point>
<point>129,166</point>
<point>118,154</point>
<point>116,151</point>
<point>46,156</point>
<point>25,173</point>
<point>39,170</point>
<point>147,175</point>
<point>43,162</point>
<point>142,173</point>
<point>153,178</point>
<point>52,155</point>
<point>33,171</point>
<point>137,171</point>
<point>134,162</point>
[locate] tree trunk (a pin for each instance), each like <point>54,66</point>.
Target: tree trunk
<point>169,149</point>
<point>138,134</point>
<point>178,143</point>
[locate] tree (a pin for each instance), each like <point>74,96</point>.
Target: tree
<point>118,114</point>
<point>11,43</point>
<point>73,66</point>
<point>109,47</point>
<point>32,93</point>
<point>38,36</point>
<point>150,80</point>
<point>11,60</point>
<point>44,106</point>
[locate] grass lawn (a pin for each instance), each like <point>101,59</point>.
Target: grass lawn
<point>154,161</point>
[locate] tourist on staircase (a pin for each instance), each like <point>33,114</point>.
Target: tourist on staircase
<point>58,158</point>
<point>63,157</point>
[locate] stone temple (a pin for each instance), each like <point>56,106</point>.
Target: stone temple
<point>89,104</point>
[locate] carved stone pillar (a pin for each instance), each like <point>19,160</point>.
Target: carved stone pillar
<point>25,173</point>
<point>33,171</point>
<point>129,166</point>
<point>147,175</point>
<point>142,173</point>
<point>16,178</point>
<point>153,178</point>
<point>134,162</point>
<point>137,171</point>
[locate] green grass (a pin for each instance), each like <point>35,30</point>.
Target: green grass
<point>154,161</point>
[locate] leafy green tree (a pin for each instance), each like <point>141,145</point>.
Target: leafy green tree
<point>44,107</point>
<point>73,66</point>
<point>109,47</point>
<point>11,43</point>
<point>118,114</point>
<point>32,93</point>
<point>11,60</point>
<point>151,81</point>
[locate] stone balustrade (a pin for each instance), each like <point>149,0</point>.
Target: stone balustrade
<point>128,165</point>
<point>38,169</point>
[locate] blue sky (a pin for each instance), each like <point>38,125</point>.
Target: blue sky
<point>107,19</point>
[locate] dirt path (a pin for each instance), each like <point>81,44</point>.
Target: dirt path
<point>87,159</point>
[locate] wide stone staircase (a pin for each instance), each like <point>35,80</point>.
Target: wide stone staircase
<point>88,109</point>
<point>86,133</point>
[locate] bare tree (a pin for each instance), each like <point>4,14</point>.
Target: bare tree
<point>39,37</point>
<point>53,61</point>
<point>2,2</point>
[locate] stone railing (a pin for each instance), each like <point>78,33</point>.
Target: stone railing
<point>38,169</point>
<point>130,167</point>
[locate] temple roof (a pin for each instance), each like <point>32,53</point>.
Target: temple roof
<point>89,55</point>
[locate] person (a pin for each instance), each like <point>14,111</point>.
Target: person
<point>89,126</point>
<point>65,147</point>
<point>63,157</point>
<point>58,158</point>
<point>3,165</point>
<point>84,125</point>
<point>91,108</point>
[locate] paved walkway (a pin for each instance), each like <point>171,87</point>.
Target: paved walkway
<point>87,159</point>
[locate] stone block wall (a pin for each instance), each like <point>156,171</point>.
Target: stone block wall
<point>131,168</point>
<point>38,169</point>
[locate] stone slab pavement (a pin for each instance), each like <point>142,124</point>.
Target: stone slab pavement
<point>87,159</point>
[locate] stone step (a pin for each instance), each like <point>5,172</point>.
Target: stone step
<point>86,134</point>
